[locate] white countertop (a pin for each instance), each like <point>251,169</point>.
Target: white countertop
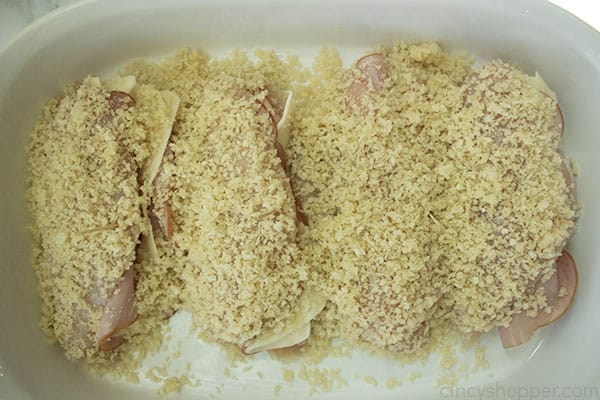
<point>17,14</point>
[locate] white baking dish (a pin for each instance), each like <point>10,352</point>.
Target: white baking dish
<point>95,37</point>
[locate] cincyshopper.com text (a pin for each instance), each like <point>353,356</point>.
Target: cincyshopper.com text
<point>502,392</point>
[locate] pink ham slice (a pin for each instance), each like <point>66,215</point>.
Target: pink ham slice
<point>119,313</point>
<point>120,100</point>
<point>373,72</point>
<point>374,68</point>
<point>522,327</point>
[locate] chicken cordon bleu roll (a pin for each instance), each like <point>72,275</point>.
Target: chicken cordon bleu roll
<point>519,219</point>
<point>528,212</point>
<point>90,158</point>
<point>234,216</point>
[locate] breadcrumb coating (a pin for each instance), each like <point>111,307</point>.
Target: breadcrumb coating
<point>443,202</point>
<point>437,204</point>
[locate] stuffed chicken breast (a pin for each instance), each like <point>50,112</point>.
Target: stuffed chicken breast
<point>87,158</point>
<point>234,217</point>
<point>527,211</point>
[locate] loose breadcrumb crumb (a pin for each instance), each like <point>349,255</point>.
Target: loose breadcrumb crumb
<point>392,383</point>
<point>287,374</point>
<point>371,380</point>
<point>321,379</point>
<point>481,361</point>
<point>413,376</point>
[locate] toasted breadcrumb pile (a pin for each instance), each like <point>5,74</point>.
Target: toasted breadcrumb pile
<point>434,207</point>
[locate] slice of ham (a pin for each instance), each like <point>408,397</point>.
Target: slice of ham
<point>120,100</point>
<point>522,327</point>
<point>373,71</point>
<point>374,68</point>
<point>119,312</point>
